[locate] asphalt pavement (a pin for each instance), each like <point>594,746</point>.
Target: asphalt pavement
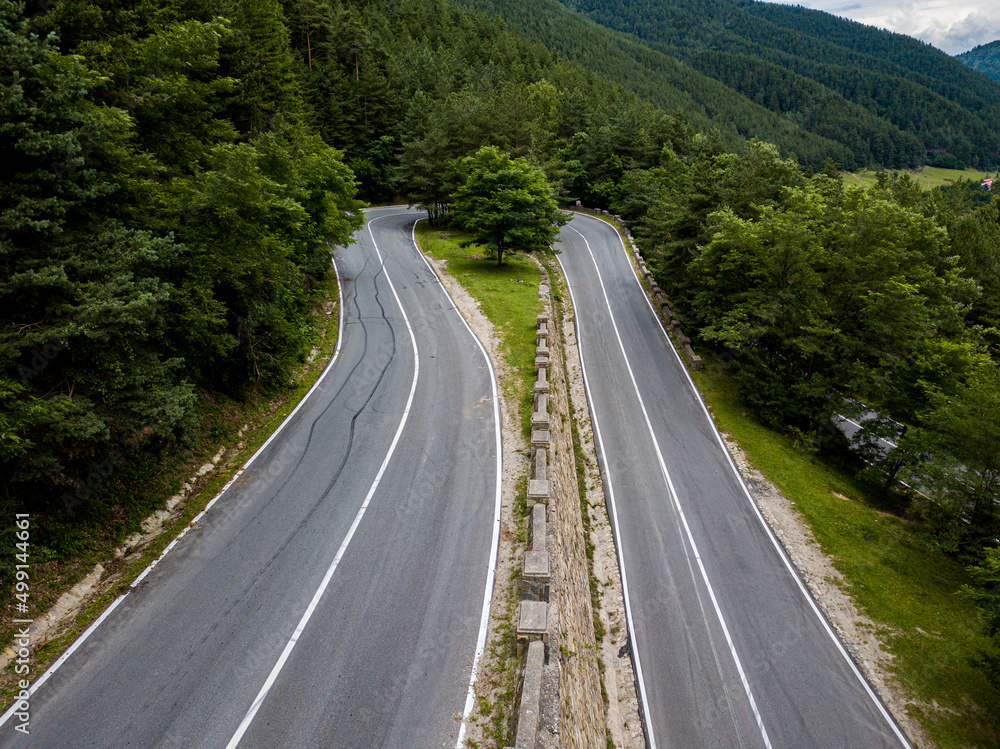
<point>334,595</point>
<point>730,649</point>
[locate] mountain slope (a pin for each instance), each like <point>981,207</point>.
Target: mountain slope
<point>821,71</point>
<point>985,58</point>
<point>707,104</point>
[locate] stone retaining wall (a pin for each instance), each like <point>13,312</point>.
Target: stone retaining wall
<point>560,696</point>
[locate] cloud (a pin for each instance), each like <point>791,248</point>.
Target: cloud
<point>950,25</point>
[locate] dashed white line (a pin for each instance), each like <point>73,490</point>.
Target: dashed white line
<point>859,426</point>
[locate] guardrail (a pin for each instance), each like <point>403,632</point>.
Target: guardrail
<point>532,624</point>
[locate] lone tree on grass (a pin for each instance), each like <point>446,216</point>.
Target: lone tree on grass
<point>506,203</point>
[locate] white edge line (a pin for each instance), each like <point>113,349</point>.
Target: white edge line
<point>780,549</point>
<point>675,499</point>
<point>314,603</point>
<point>484,620</point>
<point>64,657</point>
<point>90,630</point>
<point>614,512</point>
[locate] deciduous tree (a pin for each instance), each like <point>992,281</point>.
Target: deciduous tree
<point>507,203</point>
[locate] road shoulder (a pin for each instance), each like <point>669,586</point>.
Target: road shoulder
<point>826,585</point>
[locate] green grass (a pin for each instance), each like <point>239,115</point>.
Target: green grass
<point>896,576</point>
<point>507,295</point>
<point>928,177</point>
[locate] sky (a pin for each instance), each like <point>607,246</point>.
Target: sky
<point>954,26</point>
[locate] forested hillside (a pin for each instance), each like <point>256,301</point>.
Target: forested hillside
<point>889,99</point>
<point>710,106</point>
<point>172,176</point>
<point>407,88</point>
<point>985,58</point>
<point>166,206</point>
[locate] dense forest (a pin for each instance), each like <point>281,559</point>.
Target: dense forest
<point>888,99</point>
<point>174,173</point>
<point>173,177</point>
<point>985,58</point>
<point>708,105</point>
<point>166,211</point>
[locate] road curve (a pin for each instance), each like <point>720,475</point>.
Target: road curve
<point>730,650</point>
<point>334,596</point>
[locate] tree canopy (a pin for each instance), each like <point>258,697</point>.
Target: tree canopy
<point>165,218</point>
<point>854,93</point>
<point>506,203</point>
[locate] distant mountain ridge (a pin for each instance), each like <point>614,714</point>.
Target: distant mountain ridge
<point>864,95</point>
<point>707,104</point>
<point>985,58</point>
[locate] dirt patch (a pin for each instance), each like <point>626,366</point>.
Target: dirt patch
<point>825,582</point>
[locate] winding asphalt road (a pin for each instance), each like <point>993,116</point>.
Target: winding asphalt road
<point>730,649</point>
<point>336,594</point>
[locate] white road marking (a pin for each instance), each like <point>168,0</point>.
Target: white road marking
<point>679,510</point>
<point>100,620</point>
<point>484,620</point>
<point>767,528</point>
<point>859,426</point>
<point>65,656</point>
<point>272,677</point>
<point>618,542</point>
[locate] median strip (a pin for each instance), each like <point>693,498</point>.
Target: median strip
<point>532,626</point>
<point>557,548</point>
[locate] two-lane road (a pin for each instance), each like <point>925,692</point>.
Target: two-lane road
<point>729,648</point>
<point>335,596</point>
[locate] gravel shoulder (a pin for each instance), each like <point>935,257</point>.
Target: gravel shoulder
<point>826,584</point>
<point>624,726</point>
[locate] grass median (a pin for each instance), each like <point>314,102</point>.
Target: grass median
<point>897,576</point>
